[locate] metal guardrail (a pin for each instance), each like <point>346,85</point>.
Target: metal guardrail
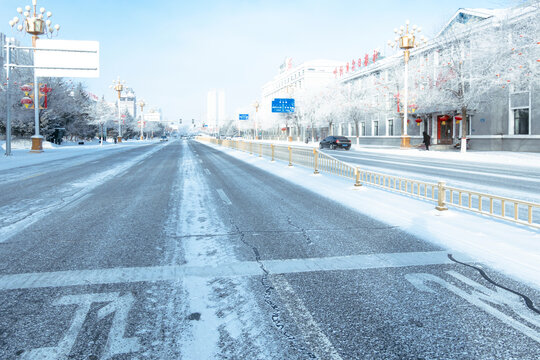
<point>508,209</point>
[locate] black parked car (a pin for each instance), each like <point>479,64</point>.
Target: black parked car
<point>334,142</point>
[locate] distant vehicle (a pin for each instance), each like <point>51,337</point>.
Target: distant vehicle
<point>163,138</point>
<point>334,142</point>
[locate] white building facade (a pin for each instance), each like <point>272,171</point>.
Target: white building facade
<point>128,103</point>
<point>485,62</point>
<point>292,82</point>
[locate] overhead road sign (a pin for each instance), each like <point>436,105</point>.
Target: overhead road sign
<point>243,116</point>
<point>283,106</point>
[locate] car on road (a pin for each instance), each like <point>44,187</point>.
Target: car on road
<point>334,142</point>
<point>163,138</point>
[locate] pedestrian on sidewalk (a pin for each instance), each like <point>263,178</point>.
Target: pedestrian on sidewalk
<point>427,140</point>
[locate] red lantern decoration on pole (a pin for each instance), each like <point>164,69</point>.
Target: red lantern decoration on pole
<point>418,121</point>
<point>27,89</point>
<point>458,118</point>
<point>27,101</point>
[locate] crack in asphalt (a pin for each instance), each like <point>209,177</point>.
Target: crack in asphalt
<point>269,293</point>
<point>299,231</point>
<point>302,230</point>
<point>527,300</point>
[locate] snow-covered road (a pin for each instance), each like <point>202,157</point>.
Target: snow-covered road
<point>186,251</point>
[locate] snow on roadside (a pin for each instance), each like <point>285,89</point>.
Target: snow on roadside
<point>21,156</point>
<point>509,248</point>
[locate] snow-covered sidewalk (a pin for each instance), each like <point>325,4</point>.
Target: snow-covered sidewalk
<point>511,249</point>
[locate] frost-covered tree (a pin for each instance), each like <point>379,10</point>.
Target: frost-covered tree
<point>470,67</point>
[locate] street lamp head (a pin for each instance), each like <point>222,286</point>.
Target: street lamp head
<point>27,8</point>
<point>19,10</point>
<point>42,10</point>
<point>57,27</point>
<point>49,14</point>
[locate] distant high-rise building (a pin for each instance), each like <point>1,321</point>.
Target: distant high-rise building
<point>128,102</point>
<point>215,109</point>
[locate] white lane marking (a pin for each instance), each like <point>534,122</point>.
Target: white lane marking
<point>479,297</point>
<point>224,197</point>
<point>116,343</point>
<point>207,171</point>
<point>245,268</point>
<point>320,345</point>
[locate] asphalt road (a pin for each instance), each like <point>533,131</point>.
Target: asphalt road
<point>180,251</point>
<point>519,181</point>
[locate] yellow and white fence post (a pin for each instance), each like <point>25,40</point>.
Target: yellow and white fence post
<point>357,183</point>
<point>290,156</point>
<point>315,161</point>
<point>441,195</point>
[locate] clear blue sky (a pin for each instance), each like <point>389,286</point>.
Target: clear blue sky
<point>173,52</point>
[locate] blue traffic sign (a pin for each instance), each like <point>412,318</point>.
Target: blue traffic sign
<point>243,116</point>
<point>283,106</point>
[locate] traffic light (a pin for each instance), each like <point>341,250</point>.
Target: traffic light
<point>180,121</point>
<point>193,121</point>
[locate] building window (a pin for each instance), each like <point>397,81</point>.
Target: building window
<point>520,105</point>
<point>376,128</point>
<point>390,127</point>
<point>363,129</point>
<point>521,121</point>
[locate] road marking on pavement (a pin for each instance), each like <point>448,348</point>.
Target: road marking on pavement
<point>33,176</point>
<point>245,268</point>
<point>320,345</point>
<point>116,343</point>
<point>207,172</point>
<point>482,297</point>
<point>224,197</point>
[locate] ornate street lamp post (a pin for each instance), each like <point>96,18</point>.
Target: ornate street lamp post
<point>142,104</point>
<point>406,41</point>
<point>118,86</point>
<point>35,23</point>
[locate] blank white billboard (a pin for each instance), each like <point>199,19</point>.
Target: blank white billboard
<point>76,58</point>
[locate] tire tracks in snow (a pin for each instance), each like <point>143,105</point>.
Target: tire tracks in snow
<point>69,194</point>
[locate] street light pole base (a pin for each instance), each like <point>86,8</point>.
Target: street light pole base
<point>119,139</point>
<point>37,144</point>
<point>405,142</point>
